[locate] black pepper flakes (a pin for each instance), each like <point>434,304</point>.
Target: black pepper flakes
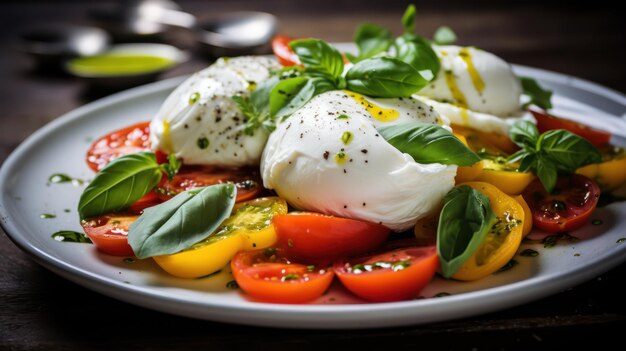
<point>326,154</point>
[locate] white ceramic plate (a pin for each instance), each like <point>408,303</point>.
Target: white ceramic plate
<point>60,147</point>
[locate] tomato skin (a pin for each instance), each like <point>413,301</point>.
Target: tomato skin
<point>568,207</point>
<point>121,142</point>
<point>248,181</point>
<point>316,237</point>
<point>286,56</point>
<point>261,276</point>
<point>110,233</point>
<point>546,122</point>
<point>384,284</point>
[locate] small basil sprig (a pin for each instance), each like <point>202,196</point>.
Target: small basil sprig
<point>549,153</point>
<point>182,221</point>
<point>444,35</point>
<point>256,107</point>
<point>408,19</point>
<point>428,143</point>
<point>122,182</point>
<point>371,40</point>
<point>537,95</point>
<point>464,222</point>
<point>319,59</point>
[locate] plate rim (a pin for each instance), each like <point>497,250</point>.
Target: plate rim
<point>147,297</point>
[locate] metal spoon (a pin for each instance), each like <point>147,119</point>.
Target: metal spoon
<point>237,33</point>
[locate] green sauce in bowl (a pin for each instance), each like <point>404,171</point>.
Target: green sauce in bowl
<point>117,64</point>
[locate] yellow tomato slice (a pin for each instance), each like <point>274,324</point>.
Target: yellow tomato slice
<point>609,174</point>
<point>503,239</point>
<point>204,258</point>
<point>467,173</point>
<point>505,177</point>
<point>253,219</point>
<point>249,226</point>
<point>495,144</point>
<point>527,225</point>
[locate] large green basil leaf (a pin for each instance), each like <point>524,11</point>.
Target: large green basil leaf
<point>121,183</point>
<point>182,221</point>
<point>418,52</point>
<point>547,173</point>
<point>568,150</point>
<point>318,57</point>
<point>384,77</point>
<point>371,40</point>
<point>428,143</point>
<point>291,94</point>
<point>538,95</point>
<point>464,222</point>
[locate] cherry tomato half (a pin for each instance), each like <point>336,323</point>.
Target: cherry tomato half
<point>266,275</point>
<point>248,181</point>
<point>124,141</point>
<point>316,237</point>
<point>286,56</point>
<point>567,208</point>
<point>110,233</point>
<point>545,122</point>
<point>397,274</point>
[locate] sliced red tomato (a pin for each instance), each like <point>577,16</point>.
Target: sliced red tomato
<point>316,237</point>
<point>247,180</point>
<point>124,141</point>
<point>267,275</point>
<point>568,207</point>
<point>149,200</point>
<point>110,233</point>
<point>545,122</point>
<point>398,273</point>
<point>286,56</point>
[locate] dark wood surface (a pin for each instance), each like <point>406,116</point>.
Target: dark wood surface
<point>40,310</point>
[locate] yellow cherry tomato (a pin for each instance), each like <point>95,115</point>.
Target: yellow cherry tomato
<point>249,226</point>
<point>503,239</point>
<point>504,176</point>
<point>253,219</point>
<point>467,173</point>
<point>203,258</point>
<point>492,143</point>
<point>609,174</point>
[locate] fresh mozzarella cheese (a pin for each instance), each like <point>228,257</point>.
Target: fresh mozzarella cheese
<point>328,157</point>
<point>201,124</point>
<point>481,121</point>
<point>475,88</point>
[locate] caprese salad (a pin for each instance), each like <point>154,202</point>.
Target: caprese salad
<point>297,169</point>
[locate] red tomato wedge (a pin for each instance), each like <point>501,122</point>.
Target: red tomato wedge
<point>124,141</point>
<point>110,233</point>
<point>568,207</point>
<point>315,237</point>
<point>266,275</point>
<point>547,122</point>
<point>286,56</point>
<point>399,273</point>
<point>247,180</point>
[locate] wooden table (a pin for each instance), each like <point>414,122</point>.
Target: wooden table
<point>40,310</point>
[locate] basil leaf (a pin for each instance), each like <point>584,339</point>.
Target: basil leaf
<point>408,19</point>
<point>547,174</point>
<point>182,221</point>
<point>384,77</point>
<point>525,134</point>
<point>529,162</point>
<point>256,107</point>
<point>428,143</point>
<point>318,57</point>
<point>119,184</point>
<point>567,150</point>
<point>464,222</point>
<point>418,52</point>
<point>289,95</point>
<point>371,40</point>
<point>444,36</point>
<point>538,96</point>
